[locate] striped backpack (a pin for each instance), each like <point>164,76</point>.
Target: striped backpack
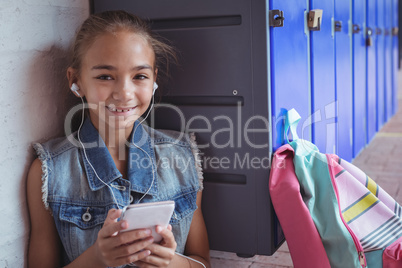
<point>331,212</point>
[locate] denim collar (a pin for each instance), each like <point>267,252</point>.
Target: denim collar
<point>139,169</point>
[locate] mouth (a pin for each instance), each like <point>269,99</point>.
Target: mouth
<point>120,109</point>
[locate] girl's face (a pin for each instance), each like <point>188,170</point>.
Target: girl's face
<point>117,79</point>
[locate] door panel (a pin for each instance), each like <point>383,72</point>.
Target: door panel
<point>380,67</point>
<point>395,56</point>
<point>359,77</point>
<point>344,93</point>
<point>323,79</point>
<point>289,69</point>
<point>371,71</point>
<point>388,59</point>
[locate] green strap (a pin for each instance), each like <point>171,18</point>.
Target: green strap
<point>292,119</point>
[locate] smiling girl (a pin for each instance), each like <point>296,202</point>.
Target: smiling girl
<point>75,193</point>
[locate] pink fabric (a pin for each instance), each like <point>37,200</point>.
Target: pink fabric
<point>303,239</point>
<point>392,256</point>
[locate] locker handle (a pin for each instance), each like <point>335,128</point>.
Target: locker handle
<point>395,31</point>
<point>356,28</point>
<point>276,18</point>
<point>314,19</point>
<point>338,26</point>
<point>369,39</point>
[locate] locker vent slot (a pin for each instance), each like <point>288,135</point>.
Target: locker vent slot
<point>225,178</point>
<point>198,22</point>
<point>204,100</point>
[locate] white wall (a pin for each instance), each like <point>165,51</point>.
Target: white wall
<point>35,37</point>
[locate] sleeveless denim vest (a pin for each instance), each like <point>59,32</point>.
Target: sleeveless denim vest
<point>79,201</point>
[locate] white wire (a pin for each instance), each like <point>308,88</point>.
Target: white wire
<point>191,259</point>
<point>85,153</point>
<point>150,159</point>
<point>96,174</point>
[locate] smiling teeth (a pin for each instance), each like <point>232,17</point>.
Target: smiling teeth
<point>118,110</point>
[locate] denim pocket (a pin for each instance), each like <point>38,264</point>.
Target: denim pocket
<point>84,217</point>
<point>80,226</point>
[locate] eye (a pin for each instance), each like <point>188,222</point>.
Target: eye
<point>104,77</point>
<point>140,77</point>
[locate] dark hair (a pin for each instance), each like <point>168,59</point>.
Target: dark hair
<point>113,21</point>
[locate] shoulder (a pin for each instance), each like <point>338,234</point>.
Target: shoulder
<point>56,146</point>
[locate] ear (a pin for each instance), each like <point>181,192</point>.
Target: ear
<point>155,74</point>
<point>72,76</point>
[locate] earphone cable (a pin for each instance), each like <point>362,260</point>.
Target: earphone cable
<point>93,169</point>
<point>85,153</point>
<point>150,159</point>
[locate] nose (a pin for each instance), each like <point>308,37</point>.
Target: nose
<point>124,91</point>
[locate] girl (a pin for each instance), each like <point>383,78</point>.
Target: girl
<point>79,183</point>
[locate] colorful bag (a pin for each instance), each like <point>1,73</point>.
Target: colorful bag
<point>332,213</point>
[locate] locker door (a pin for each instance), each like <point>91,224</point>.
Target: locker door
<point>323,79</point>
<point>289,69</point>
<point>380,58</point>
<point>395,55</point>
<point>359,77</point>
<point>343,71</point>
<point>388,59</point>
<point>371,71</point>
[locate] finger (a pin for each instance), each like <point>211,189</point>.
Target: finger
<point>161,251</point>
<point>170,227</point>
<point>112,228</point>
<point>133,258</point>
<point>156,261</point>
<point>142,264</point>
<point>168,237</point>
<point>112,216</point>
<point>130,237</point>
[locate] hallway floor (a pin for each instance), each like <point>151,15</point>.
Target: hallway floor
<point>381,160</point>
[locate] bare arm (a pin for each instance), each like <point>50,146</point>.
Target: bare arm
<point>197,246</point>
<point>44,244</point>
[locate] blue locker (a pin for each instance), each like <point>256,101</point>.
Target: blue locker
<point>371,70</point>
<point>323,79</point>
<point>289,69</point>
<point>359,76</point>
<point>343,73</point>
<point>388,58</point>
<point>380,67</point>
<point>395,55</point>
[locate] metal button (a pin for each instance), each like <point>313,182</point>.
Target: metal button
<point>86,216</point>
<point>131,199</point>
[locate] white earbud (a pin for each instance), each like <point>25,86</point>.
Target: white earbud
<point>155,88</point>
<point>75,89</point>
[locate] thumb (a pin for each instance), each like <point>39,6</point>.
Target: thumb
<point>112,216</point>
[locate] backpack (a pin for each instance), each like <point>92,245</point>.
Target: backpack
<point>331,212</point>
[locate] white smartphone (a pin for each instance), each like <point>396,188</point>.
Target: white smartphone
<point>148,215</point>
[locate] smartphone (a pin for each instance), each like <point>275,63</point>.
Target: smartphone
<point>148,215</point>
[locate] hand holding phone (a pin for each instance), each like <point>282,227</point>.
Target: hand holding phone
<point>148,215</point>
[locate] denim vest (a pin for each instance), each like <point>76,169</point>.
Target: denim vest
<point>79,201</point>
